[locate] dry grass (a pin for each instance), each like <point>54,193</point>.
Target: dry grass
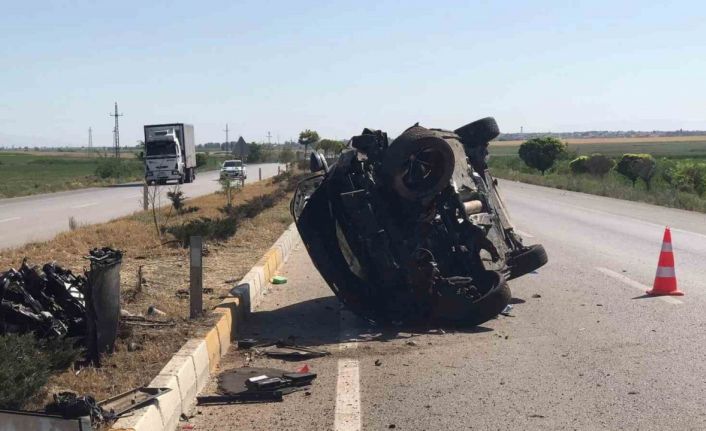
<point>637,140</point>
<point>165,270</point>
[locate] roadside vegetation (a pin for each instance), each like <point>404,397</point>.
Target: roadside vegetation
<point>27,173</point>
<point>155,272</point>
<point>676,181</point>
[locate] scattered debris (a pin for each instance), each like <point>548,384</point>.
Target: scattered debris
<point>131,400</point>
<point>411,343</point>
<point>278,279</point>
<point>291,352</point>
<point>536,295</point>
<point>154,311</point>
<point>378,362</point>
<point>252,385</point>
<point>52,302</point>
<point>507,310</point>
<point>24,420</point>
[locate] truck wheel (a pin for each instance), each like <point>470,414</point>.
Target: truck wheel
<point>526,260</point>
<point>479,132</point>
<point>419,164</point>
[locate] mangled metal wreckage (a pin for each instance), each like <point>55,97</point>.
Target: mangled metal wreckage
<point>414,230</point>
<point>52,302</point>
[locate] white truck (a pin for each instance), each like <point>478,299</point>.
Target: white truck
<point>170,153</point>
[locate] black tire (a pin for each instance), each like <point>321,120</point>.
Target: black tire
<point>162,182</point>
<point>418,164</point>
<point>479,132</point>
<point>526,260</point>
<point>458,312</point>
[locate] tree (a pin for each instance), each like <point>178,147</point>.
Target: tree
<point>254,153</point>
<point>541,153</point>
<point>201,159</point>
<point>330,147</point>
<point>578,165</point>
<point>286,155</point>
<point>637,166</point>
<point>691,176</point>
<point>306,138</point>
<point>599,165</point>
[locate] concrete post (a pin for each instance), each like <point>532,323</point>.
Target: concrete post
<point>145,197</point>
<point>195,277</point>
<point>260,173</point>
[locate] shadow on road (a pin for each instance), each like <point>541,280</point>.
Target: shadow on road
<point>318,322</point>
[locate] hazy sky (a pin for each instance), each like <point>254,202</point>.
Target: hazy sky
<point>340,66</point>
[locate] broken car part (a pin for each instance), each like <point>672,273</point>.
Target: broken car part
<point>128,401</point>
<point>414,230</point>
<point>103,300</point>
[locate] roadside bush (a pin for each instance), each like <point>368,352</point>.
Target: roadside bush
<point>599,165</point>
<point>201,159</point>
<point>691,177</point>
<point>637,166</point>
<point>579,165</point>
<point>117,168</point>
<point>26,364</point>
<point>542,153</point>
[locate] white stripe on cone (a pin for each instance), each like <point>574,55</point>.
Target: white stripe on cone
<point>665,272</point>
<point>667,246</point>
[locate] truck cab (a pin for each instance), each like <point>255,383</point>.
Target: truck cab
<point>166,155</point>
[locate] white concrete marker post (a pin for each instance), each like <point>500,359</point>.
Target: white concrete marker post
<point>260,173</point>
<point>195,277</point>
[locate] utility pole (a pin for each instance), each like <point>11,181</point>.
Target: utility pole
<point>90,138</point>
<point>227,141</point>
<point>269,138</point>
<point>116,131</point>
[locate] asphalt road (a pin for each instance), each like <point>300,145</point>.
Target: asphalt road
<point>583,348</point>
<point>40,217</point>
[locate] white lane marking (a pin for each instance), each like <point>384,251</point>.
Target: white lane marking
<point>90,204</point>
<point>635,284</point>
<point>523,233</point>
<point>347,417</point>
<point>347,413</point>
<point>9,219</point>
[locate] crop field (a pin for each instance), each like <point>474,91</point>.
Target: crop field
<point>675,147</point>
<point>29,173</point>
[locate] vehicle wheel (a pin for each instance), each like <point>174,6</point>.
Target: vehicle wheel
<point>180,180</point>
<point>162,182</point>
<point>418,164</point>
<point>526,260</point>
<point>455,310</point>
<point>479,132</point>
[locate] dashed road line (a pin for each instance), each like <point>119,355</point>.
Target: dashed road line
<point>9,219</point>
<point>347,413</point>
<point>90,204</point>
<point>630,282</point>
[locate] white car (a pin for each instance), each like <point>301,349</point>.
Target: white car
<point>234,169</point>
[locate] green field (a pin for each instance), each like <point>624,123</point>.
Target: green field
<point>672,149</point>
<point>662,191</point>
<point>26,173</point>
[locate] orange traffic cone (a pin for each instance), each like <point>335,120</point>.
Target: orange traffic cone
<point>666,279</point>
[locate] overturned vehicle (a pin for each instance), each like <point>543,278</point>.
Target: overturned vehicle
<point>414,230</point>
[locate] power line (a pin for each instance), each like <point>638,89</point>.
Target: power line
<point>116,131</point>
<point>269,138</point>
<point>227,141</point>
